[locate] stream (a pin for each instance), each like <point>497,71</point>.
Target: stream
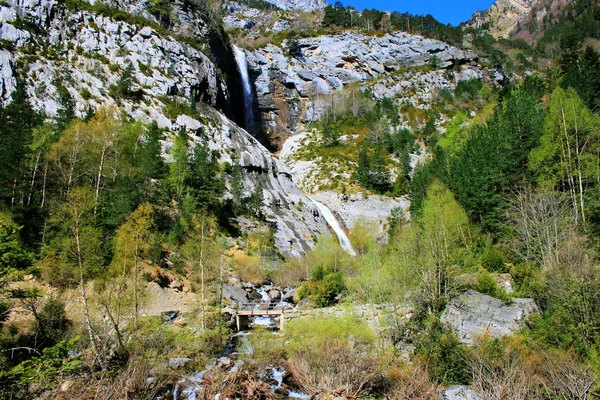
<point>229,359</point>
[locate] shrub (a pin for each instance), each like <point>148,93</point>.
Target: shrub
<point>333,355</point>
<point>486,284</point>
<point>324,287</point>
<point>438,348</point>
<point>493,260</point>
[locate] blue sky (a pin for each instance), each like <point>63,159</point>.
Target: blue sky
<point>446,11</point>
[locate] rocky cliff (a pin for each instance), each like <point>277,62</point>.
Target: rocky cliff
<point>518,19</point>
<point>293,91</point>
<point>85,53</point>
<point>502,17</point>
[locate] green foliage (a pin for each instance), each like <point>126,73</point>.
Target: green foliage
<point>468,89</point>
<point>324,287</point>
<point>494,158</point>
<point>14,258</point>
<point>372,171</point>
<point>439,349</point>
<point>486,284</point>
<point>123,88</point>
<point>18,120</point>
<point>53,363</point>
<point>179,169</point>
<point>51,323</point>
<point>161,9</point>
<point>149,158</point>
<point>493,260</point>
<point>175,107</point>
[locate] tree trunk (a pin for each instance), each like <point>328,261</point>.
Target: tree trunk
<point>86,310</point>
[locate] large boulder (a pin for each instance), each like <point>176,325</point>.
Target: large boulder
<point>474,314</point>
<point>460,393</point>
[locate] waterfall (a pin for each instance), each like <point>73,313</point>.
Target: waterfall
<point>242,65</point>
<point>335,225</point>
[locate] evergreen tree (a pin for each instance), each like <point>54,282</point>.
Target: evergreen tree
<point>205,179</point>
<point>150,160</point>
<point>180,166</point>
<point>18,121</point>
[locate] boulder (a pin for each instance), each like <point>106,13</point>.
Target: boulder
<point>234,294</point>
<point>274,294</point>
<point>460,393</point>
<point>177,285</point>
<point>176,363</point>
<point>475,314</point>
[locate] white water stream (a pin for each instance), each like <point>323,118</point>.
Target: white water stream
<point>335,225</point>
<point>242,65</point>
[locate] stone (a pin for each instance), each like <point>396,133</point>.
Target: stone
<point>176,363</point>
<point>177,285</point>
<point>274,294</point>
<point>459,392</point>
<point>224,361</point>
<point>235,294</point>
<point>146,32</point>
<point>288,294</point>
<point>152,380</point>
<point>474,314</point>
<point>66,385</point>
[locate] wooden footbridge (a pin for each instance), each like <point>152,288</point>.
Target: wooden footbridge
<point>244,311</point>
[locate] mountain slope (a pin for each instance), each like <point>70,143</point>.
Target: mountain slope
<point>502,17</point>
<point>97,61</point>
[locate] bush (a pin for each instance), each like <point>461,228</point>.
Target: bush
<point>486,284</point>
<point>324,287</point>
<point>333,355</point>
<point>493,260</point>
<point>438,348</point>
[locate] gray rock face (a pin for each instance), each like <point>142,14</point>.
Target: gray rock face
<point>295,219</point>
<point>352,209</point>
<point>300,5</point>
<point>460,393</point>
<point>474,314</point>
<point>8,82</point>
<point>296,91</point>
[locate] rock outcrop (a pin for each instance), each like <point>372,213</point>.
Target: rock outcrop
<point>300,5</point>
<point>502,17</point>
<point>473,314</point>
<point>352,209</point>
<point>295,91</point>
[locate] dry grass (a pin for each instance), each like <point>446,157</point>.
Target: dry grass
<point>129,382</point>
<point>341,370</point>
<point>411,383</point>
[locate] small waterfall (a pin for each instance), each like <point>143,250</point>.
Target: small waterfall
<point>242,65</point>
<point>335,225</point>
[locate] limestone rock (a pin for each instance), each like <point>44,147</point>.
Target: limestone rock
<point>474,314</point>
<point>291,91</point>
<point>460,393</point>
<point>176,363</point>
<point>177,285</point>
<point>300,5</point>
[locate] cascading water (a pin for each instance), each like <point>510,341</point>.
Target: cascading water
<point>242,65</point>
<point>335,225</point>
